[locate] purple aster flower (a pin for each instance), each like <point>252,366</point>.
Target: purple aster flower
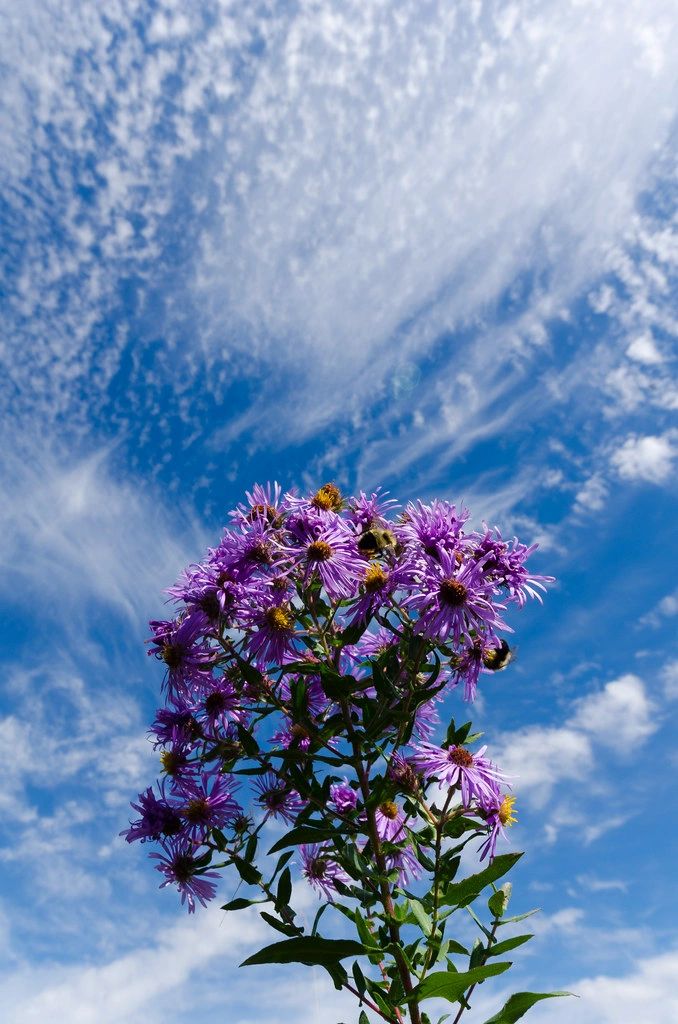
<point>254,548</point>
<point>176,726</point>
<point>159,818</point>
<point>404,861</point>
<point>220,704</point>
<point>368,512</point>
<point>176,643</point>
<point>478,657</point>
<point>178,865</point>
<point>277,798</point>
<point>330,553</point>
<point>390,822</point>
<point>378,585</point>
<point>505,566</point>
<point>263,503</point>
<point>453,598</point>
<point>403,774</point>
<point>497,817</point>
<point>343,796</point>
<point>476,776</point>
<point>208,804</point>
<point>274,636</point>
<point>177,763</point>
<point>432,529</point>
<point>321,871</point>
<point>373,645</point>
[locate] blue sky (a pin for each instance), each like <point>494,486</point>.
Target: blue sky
<point>418,244</point>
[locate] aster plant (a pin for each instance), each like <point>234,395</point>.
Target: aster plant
<point>305,671</point>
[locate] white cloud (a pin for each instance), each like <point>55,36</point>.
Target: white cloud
<point>621,713</point>
<point>539,757</point>
<point>592,496</point>
<point>669,677</point>
<point>70,533</point>
<point>647,993</point>
<point>646,458</point>
<point>644,350</point>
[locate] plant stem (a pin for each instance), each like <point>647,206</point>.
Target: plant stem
<point>385,892</point>
<point>467,996</point>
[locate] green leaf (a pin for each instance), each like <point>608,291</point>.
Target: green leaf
<point>302,834</point>
<point>282,898</point>
<point>499,948</point>
<point>422,918</point>
<point>247,872</point>
<point>309,950</point>
<point>363,1018</point>
<point>452,985</point>
<point>519,1004</point>
<point>247,740</point>
<point>519,917</point>
<point>240,903</point>
<point>280,926</point>
<point>499,900</point>
<point>459,894</point>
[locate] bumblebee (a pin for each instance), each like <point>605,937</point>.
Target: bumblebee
<point>498,658</point>
<point>376,541</point>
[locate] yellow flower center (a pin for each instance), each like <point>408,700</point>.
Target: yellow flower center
<point>506,815</point>
<point>460,756</point>
<point>389,809</point>
<point>279,619</point>
<point>375,578</point>
<point>319,551</point>
<point>328,497</point>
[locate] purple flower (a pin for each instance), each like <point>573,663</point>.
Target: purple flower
<point>368,512</point>
<point>453,598</point>
<point>159,818</point>
<point>179,867</point>
<point>176,643</point>
<point>321,871</point>
<point>277,798</point>
<point>373,645</point>
<point>403,774</point>
<point>378,585</point>
<point>390,822</point>
<point>405,863</point>
<point>497,817</point>
<point>221,704</point>
<point>343,796</point>
<point>263,504</point>
<point>476,776</point>
<point>432,529</point>
<point>274,637</point>
<point>208,804</point>
<point>328,550</point>
<point>505,566</point>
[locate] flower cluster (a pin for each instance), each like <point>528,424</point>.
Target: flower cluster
<point>319,630</point>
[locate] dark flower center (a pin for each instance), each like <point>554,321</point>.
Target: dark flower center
<point>197,811</point>
<point>328,497</point>
<point>172,761</point>
<point>172,655</point>
<point>389,809</point>
<point>171,823</point>
<point>375,579</point>
<point>260,553</point>
<point>460,756</point>
<point>210,605</point>
<point>318,867</point>
<point>278,619</point>
<point>215,703</point>
<point>274,798</point>
<point>453,593</point>
<point>182,866</point>
<point>319,551</point>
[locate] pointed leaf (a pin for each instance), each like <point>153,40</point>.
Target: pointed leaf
<point>452,985</point>
<point>519,1004</point>
<point>503,947</point>
<point>458,894</point>
<point>308,950</point>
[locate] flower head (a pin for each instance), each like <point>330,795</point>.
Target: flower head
<point>321,871</point>
<point>476,776</point>
<point>181,869</point>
